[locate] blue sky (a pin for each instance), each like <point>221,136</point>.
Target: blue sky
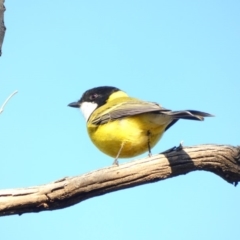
<point>181,54</point>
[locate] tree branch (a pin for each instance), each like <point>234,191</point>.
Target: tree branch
<point>2,26</point>
<point>219,159</point>
<point>2,107</point>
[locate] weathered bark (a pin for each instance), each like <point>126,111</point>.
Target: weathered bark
<point>219,159</point>
<point>2,26</point>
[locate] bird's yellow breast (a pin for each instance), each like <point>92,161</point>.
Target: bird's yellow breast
<point>136,133</point>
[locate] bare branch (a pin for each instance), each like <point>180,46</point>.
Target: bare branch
<point>2,107</point>
<point>219,159</point>
<point>2,26</point>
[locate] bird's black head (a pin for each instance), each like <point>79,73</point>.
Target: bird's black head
<point>98,95</point>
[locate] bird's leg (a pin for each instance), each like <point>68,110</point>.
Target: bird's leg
<point>178,148</point>
<point>116,158</point>
<point>148,143</point>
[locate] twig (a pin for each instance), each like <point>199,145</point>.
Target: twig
<point>2,107</point>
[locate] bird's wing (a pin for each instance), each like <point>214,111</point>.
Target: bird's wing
<point>125,109</point>
<point>132,107</point>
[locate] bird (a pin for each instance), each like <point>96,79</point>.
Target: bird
<point>122,126</point>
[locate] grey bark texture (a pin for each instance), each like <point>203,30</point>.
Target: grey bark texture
<point>2,26</point>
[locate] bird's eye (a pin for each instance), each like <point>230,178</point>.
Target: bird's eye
<point>93,96</point>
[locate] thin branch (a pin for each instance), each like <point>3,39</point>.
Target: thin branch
<point>219,159</point>
<point>2,107</point>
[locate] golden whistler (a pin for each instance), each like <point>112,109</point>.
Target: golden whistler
<point>122,126</point>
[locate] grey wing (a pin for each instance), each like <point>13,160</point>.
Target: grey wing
<point>126,109</point>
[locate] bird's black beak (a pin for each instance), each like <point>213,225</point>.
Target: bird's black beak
<point>74,104</point>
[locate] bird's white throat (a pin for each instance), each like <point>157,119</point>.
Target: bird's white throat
<point>87,109</point>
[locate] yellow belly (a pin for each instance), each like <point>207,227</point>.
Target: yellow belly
<point>135,133</point>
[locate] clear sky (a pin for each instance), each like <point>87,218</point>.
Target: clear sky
<point>181,54</point>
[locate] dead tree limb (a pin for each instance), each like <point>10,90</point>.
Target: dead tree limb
<point>219,159</point>
<point>2,26</point>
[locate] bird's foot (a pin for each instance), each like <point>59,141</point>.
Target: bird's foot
<point>115,162</point>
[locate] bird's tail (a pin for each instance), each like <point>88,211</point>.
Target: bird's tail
<point>189,114</point>
<point>186,114</point>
